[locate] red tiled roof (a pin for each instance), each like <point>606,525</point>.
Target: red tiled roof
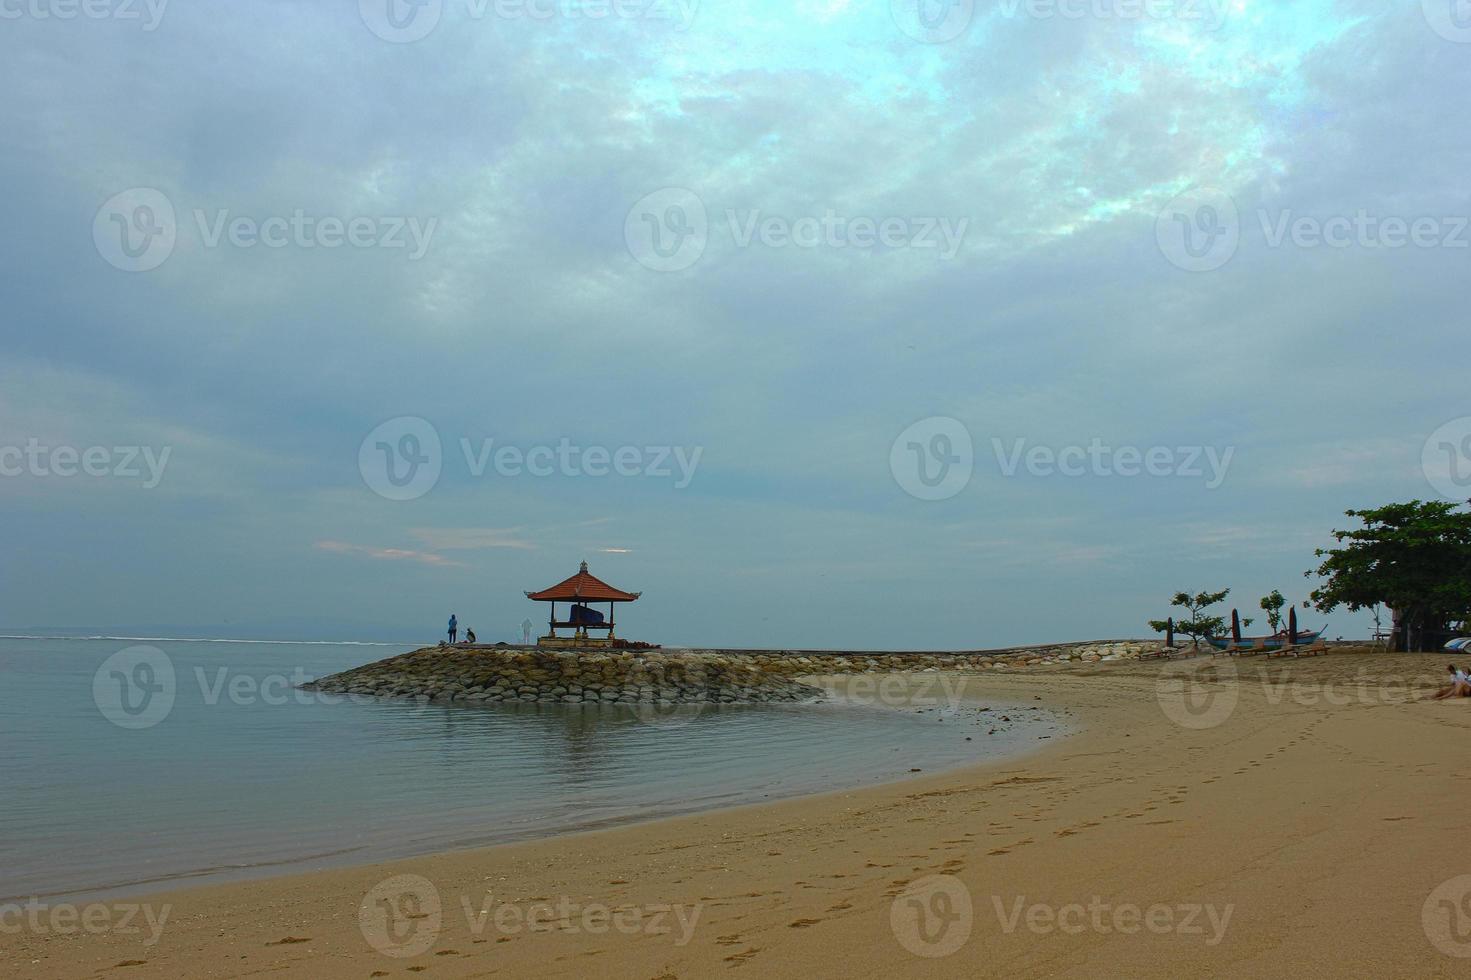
<point>583,585</point>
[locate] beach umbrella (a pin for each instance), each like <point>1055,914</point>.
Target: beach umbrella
<point>1235,627</point>
<point>1292,626</point>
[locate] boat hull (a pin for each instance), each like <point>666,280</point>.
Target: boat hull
<point>1268,642</point>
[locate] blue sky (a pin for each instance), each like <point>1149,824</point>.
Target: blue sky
<point>1055,147</point>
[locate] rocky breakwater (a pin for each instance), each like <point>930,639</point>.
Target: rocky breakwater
<point>473,676</point>
<point>795,663</point>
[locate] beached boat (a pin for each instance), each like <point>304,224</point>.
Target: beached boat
<point>1273,642</point>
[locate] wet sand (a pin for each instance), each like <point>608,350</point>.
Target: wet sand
<point>1243,818</point>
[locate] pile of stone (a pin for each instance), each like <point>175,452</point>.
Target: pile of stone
<point>794,663</point>
<point>453,674</point>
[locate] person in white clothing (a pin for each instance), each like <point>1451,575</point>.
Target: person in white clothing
<point>1459,687</point>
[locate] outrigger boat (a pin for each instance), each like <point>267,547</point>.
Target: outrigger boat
<point>1274,642</point>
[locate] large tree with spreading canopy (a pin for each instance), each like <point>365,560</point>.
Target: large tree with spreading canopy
<point>1413,557</point>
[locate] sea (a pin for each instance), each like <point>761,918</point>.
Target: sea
<point>139,764</point>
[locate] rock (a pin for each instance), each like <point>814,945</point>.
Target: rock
<point>448,675</point>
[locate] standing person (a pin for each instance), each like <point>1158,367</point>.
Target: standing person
<point>454,627</point>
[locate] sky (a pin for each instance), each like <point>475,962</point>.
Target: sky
<point>859,324</point>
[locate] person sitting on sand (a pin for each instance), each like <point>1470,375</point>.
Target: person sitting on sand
<point>1459,687</point>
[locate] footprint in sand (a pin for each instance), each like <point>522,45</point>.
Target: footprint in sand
<point>289,940</point>
<point>803,923</point>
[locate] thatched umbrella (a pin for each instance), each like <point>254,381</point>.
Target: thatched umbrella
<point>1235,628</point>
<point>1292,626</point>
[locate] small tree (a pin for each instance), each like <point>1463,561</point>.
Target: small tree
<point>1198,626</point>
<point>1413,557</point>
<point>1272,606</point>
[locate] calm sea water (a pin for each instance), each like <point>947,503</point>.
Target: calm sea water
<point>241,775</point>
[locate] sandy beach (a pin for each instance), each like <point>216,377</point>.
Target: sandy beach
<point>1214,817</point>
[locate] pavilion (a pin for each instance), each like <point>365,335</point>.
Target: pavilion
<point>579,590</point>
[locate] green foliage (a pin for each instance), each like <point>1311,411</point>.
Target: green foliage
<point>1272,606</point>
<point>1413,557</point>
<point>1197,625</point>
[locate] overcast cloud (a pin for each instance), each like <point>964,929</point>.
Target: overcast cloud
<point>736,249</point>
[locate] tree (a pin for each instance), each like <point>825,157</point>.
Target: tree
<point>1413,557</point>
<point>1199,626</point>
<point>1272,606</point>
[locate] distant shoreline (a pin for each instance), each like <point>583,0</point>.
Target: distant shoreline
<point>208,639</point>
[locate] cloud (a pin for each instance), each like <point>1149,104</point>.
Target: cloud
<point>387,554</point>
<point>528,320</point>
<point>472,538</point>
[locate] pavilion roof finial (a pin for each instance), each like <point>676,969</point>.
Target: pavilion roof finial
<point>584,566</point>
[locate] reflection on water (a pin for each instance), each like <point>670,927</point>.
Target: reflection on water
<point>269,779</point>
